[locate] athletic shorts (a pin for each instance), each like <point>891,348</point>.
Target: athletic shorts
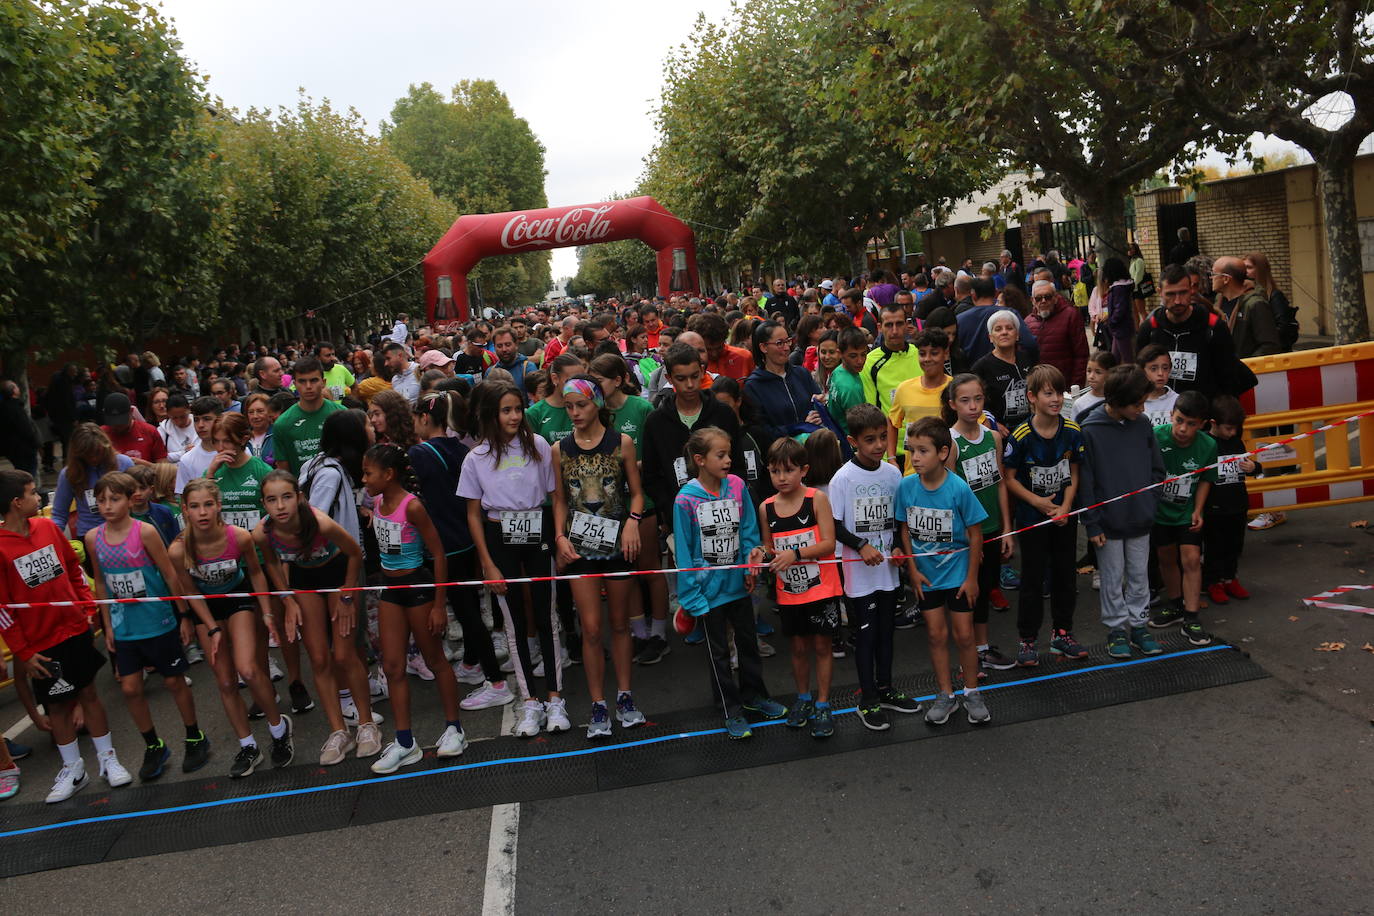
<point>584,566</point>
<point>74,664</point>
<point>408,597</point>
<point>327,575</point>
<point>947,598</point>
<point>817,618</point>
<point>1174,536</point>
<point>160,652</point>
<point>223,608</point>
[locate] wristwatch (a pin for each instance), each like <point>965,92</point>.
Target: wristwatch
<point>212,631</point>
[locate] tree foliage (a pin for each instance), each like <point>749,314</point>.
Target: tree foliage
<point>615,268</point>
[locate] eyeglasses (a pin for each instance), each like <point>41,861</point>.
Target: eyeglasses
<point>1043,298</point>
<point>781,342</point>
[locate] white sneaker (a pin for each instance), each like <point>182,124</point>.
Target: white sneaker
<point>564,659</point>
<point>395,757</point>
<point>350,716</point>
<point>193,655</point>
<point>452,743</point>
<point>70,779</point>
<point>113,770</point>
<point>532,719</point>
<point>369,739</point>
<point>508,666</point>
<point>1097,581</point>
<point>272,642</point>
<point>376,685</point>
<point>498,642</point>
<point>454,633</point>
<point>556,716</point>
<point>415,664</point>
<point>469,674</point>
<point>274,670</point>
<point>1266,520</point>
<point>765,650</point>
<point>488,696</point>
<point>539,669</point>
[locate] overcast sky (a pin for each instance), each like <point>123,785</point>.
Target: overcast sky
<point>584,74</point>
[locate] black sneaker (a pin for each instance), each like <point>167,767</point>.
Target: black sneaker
<point>637,646</point>
<point>837,649</point>
<point>282,749</point>
<point>245,761</point>
<point>1166,615</point>
<point>874,718</point>
<point>197,753</point>
<point>897,702</point>
<point>655,647</point>
<point>993,659</point>
<point>1195,634</point>
<point>909,619</point>
<point>155,757</point>
<point>255,711</point>
<point>300,698</point>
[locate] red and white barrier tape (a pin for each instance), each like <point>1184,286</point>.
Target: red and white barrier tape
<point>1319,599</point>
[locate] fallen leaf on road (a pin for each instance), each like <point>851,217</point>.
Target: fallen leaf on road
<point>1292,619</point>
<point>1330,647</point>
<point>1368,648</point>
<point>1359,523</point>
<point>1084,570</point>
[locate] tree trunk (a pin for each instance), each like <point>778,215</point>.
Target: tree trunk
<point>1107,214</point>
<point>1336,190</point>
<point>858,259</point>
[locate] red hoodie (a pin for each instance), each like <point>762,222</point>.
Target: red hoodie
<point>40,567</point>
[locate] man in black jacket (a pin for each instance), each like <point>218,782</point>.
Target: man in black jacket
<point>21,436</point>
<point>1201,350</point>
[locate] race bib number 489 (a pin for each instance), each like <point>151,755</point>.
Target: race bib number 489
<point>38,567</point>
<point>798,578</point>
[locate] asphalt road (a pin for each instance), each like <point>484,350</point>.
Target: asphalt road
<point>1252,798</point>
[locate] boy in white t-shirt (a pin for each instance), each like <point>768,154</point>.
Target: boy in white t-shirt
<point>196,460</point>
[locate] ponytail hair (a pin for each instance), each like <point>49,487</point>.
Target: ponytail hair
<point>309,525</point>
<point>603,413</point>
<point>699,443</point>
<point>188,534</point>
<point>613,366</point>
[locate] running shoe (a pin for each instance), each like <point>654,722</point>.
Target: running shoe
<point>768,708</point>
<point>1145,641</point>
<point>300,698</point>
<point>350,716</point>
<point>469,674</point>
<point>377,687</point>
<point>1097,581</point>
<point>194,656</point>
<point>454,631</point>
<point>823,725</point>
<point>1064,644</point>
<point>765,650</point>
<point>70,780</point>
<point>536,659</point>
<point>655,648</point>
<point>994,660</point>
<point>9,783</point>
<point>898,702</point>
<point>600,724</point>
<point>538,669</point>
<point>873,718</point>
<point>1216,593</point>
<point>626,713</point>
<point>255,711</point>
<point>197,753</point>
<point>336,747</point>
<point>556,711</point>
<point>1026,656</point>
<point>762,627</point>
<point>697,636</point>
<point>1009,579</point>
<point>1236,590</point>
<point>17,751</point>
<point>977,710</point>
<point>274,670</point>
<point>113,770</point>
<point>1166,615</point>
<point>488,696</point>
<point>245,762</point>
<point>738,727</point>
<point>837,649</point>
<point>1118,645</point>
<point>452,742</point>
<point>415,664</point>
<point>532,719</point>
<point>945,705</point>
<point>283,748</point>
<point>155,757</point>
<point>800,713</point>
<point>1266,520</point>
<point>1195,634</point>
<point>998,601</point>
<point>498,643</point>
<point>908,620</point>
<point>369,740</point>
<point>395,757</point>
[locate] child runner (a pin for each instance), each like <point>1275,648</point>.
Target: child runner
<point>204,412</point>
<point>1042,473</point>
<point>1098,365</point>
<point>146,510</point>
<point>846,382</point>
<point>801,527</point>
<point>548,418</point>
<point>89,456</point>
<point>1177,535</point>
<point>596,494</point>
<point>1159,406</point>
<point>714,524</point>
<point>977,458</point>
<point>214,558</point>
<point>941,519</point>
<point>920,396</point>
<point>507,478</point>
<point>1223,525</point>
<point>404,533</point>
<point>52,644</point>
<point>307,551</point>
<point>862,495</point>
<point>1121,455</point>
<point>130,562</point>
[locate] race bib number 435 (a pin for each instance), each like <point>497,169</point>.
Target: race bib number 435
<point>38,567</point>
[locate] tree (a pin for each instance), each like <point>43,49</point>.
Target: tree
<point>478,155</point>
<point>1303,72</point>
<point>613,268</point>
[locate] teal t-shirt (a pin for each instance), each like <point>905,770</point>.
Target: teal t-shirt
<point>1178,497</point>
<point>629,419</point>
<point>938,521</point>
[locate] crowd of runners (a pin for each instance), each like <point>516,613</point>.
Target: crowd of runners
<point>933,430</point>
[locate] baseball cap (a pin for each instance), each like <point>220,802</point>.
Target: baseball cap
<point>117,409</point>
<point>827,284</point>
<point>432,358</point>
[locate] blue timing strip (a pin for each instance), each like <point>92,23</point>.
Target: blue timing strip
<point>595,749</point>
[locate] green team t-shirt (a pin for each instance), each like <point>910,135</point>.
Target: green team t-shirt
<point>976,462</point>
<point>553,423</point>
<point>296,434</point>
<point>1179,496</point>
<point>241,493</point>
<point>629,419</point>
<point>846,391</point>
<point>337,381</point>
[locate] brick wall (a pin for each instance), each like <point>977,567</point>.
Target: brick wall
<point>1247,214</point>
<point>1146,233</point>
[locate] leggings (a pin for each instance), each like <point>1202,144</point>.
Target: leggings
<point>1223,539</point>
<point>873,619</point>
<point>989,571</point>
<point>517,561</point>
<point>477,647</point>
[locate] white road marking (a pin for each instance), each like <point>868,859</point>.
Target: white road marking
<point>498,894</point>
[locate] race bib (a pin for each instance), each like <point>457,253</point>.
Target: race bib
<point>336,393</point>
<point>1049,481</point>
<point>388,534</point>
<point>1017,404</point>
<point>522,526</point>
<point>126,584</point>
<point>891,396</point>
<point>594,535</point>
<point>38,567</point>
<point>244,518</point>
<point>751,464</point>
<point>90,501</point>
<point>1182,365</point>
<point>1229,472</point>
<point>216,572</point>
<point>933,525</point>
<point>680,469</point>
<point>1180,489</point>
<point>719,523</point>
<point>981,470</point>
<point>872,515</point>
<point>798,578</point>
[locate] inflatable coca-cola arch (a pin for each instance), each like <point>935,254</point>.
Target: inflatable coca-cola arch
<point>477,236</point>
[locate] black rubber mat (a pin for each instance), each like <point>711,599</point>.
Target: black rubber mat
<point>96,825</point>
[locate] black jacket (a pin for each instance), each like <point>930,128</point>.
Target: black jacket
<point>664,438</point>
<point>1203,333</point>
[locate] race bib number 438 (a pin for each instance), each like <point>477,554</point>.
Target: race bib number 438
<point>38,567</point>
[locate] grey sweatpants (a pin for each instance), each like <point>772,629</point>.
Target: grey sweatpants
<point>1123,566</point>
